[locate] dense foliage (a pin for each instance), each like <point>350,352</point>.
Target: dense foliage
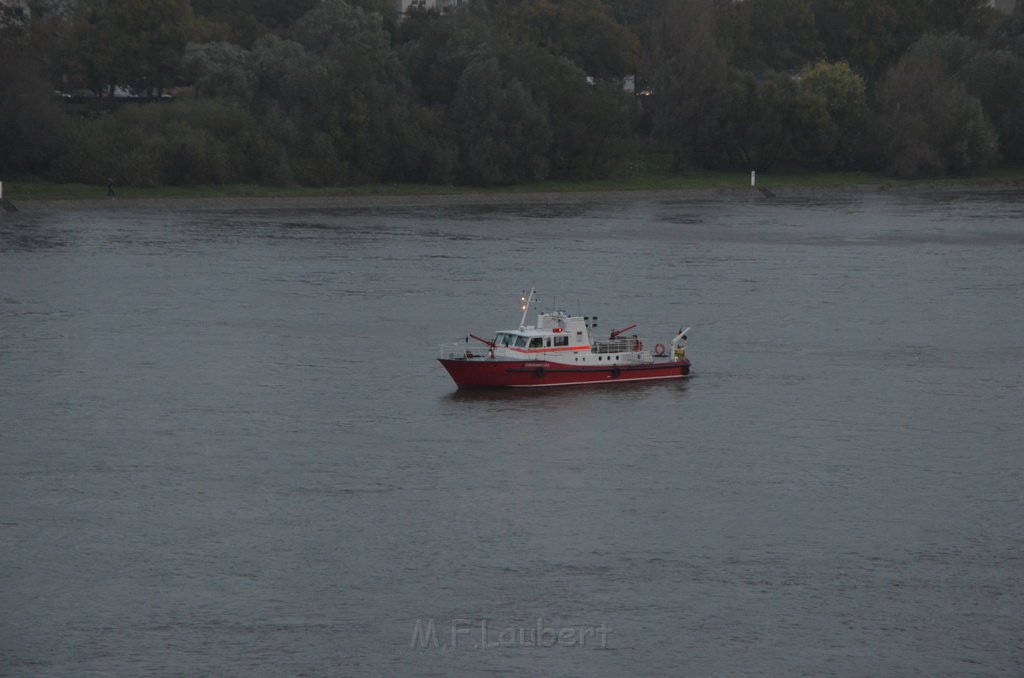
<point>333,92</point>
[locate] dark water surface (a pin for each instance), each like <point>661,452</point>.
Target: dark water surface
<point>226,447</point>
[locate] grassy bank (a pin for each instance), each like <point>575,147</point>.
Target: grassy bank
<point>650,172</point>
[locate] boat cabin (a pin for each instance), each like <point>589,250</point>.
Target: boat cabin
<point>555,331</point>
<point>559,336</point>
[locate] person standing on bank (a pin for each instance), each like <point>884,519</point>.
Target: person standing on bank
<point>110,188</point>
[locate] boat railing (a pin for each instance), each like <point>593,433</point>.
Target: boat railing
<point>619,345</point>
<point>462,350</point>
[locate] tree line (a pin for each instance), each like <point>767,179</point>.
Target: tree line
<point>493,92</point>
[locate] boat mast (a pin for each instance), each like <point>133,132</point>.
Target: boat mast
<point>526,308</point>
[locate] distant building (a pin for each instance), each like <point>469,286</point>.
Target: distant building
<point>403,7</point>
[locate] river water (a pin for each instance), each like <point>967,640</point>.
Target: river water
<point>226,447</point>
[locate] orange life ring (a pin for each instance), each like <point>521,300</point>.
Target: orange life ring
<point>659,349</point>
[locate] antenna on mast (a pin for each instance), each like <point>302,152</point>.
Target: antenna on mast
<point>527,300</point>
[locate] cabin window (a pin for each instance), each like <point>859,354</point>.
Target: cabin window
<point>547,342</point>
<point>521,341</point>
<point>561,340</point>
<point>536,342</point>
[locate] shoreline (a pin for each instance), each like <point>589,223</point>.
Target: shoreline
<point>471,198</point>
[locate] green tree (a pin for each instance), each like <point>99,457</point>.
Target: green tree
<point>845,133</point>
<point>131,42</point>
<point>334,101</point>
<point>930,125</point>
<point>1008,34</point>
<point>205,142</point>
<point>436,50</point>
<point>582,31</point>
<point>996,78</point>
<point>606,142</point>
<point>385,9</point>
<point>243,22</point>
<point>221,69</point>
<point>950,51</point>
<point>968,17</point>
<point>767,125</point>
<point>634,14</point>
<point>151,36</point>
<point>870,35</point>
<point>32,128</point>
<point>690,75</point>
<point>502,134</point>
<point>285,72</point>
<point>775,34</point>
<point>591,124</point>
<point>358,91</point>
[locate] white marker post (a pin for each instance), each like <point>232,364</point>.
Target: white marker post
<point>6,205</point>
<point>753,180</point>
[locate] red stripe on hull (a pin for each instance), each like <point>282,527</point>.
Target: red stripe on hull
<point>515,373</point>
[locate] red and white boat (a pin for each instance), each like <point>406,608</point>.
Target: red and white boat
<point>561,350</point>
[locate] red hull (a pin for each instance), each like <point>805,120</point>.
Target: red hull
<point>516,373</point>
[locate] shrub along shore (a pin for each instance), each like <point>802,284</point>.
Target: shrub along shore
<point>646,182</point>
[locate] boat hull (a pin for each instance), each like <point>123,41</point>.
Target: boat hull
<point>530,374</point>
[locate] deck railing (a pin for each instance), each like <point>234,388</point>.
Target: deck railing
<point>461,350</point>
<point>620,345</point>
